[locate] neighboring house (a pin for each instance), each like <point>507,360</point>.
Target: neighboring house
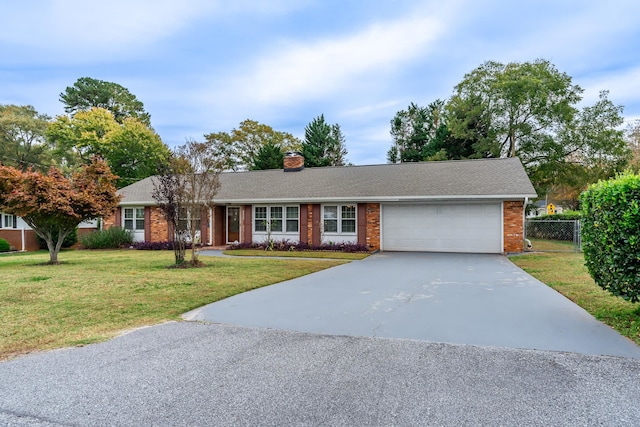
<point>452,206</point>
<point>21,237</point>
<point>541,207</point>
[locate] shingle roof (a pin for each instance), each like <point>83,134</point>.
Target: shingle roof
<point>463,179</point>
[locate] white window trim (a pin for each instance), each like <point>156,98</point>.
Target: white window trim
<point>13,222</point>
<point>283,219</point>
<point>339,219</point>
<point>134,218</point>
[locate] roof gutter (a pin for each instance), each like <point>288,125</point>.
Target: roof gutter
<point>368,199</point>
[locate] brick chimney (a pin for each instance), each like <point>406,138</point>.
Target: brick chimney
<point>293,161</point>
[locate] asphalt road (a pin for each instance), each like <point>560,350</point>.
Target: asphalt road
<point>195,374</point>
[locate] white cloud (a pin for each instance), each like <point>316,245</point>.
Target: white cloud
<point>623,86</point>
<point>85,31</point>
<point>293,72</point>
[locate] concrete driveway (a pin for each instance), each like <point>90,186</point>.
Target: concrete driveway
<point>473,299</point>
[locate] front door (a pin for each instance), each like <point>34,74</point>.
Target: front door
<point>233,224</point>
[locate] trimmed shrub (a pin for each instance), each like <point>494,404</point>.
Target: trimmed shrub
<point>111,238</point>
<point>611,234</point>
<point>288,245</point>
<point>70,240</point>
<point>564,216</point>
<point>4,246</point>
<point>157,246</point>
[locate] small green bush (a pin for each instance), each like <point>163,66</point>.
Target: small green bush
<point>4,246</point>
<point>611,234</point>
<point>111,238</point>
<point>564,216</point>
<point>70,240</point>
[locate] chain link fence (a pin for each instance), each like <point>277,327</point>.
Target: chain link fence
<point>553,235</point>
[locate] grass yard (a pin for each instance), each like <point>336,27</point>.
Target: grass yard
<point>566,273</point>
<point>94,295</point>
<point>552,245</point>
<point>297,254</point>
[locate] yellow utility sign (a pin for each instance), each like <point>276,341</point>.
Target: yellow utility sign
<point>551,209</point>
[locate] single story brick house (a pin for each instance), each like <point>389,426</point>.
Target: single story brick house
<point>472,206</point>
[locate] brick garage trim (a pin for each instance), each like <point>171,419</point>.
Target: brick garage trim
<point>513,226</point>
<point>372,217</point>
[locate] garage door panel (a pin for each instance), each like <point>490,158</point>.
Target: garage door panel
<point>472,227</point>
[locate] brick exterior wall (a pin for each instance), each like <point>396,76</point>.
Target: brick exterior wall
<point>14,238</point>
<point>513,226</point>
<point>158,229</point>
<point>372,216</point>
<point>110,221</point>
<point>293,163</point>
<point>309,223</point>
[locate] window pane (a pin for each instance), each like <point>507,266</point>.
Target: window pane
<point>276,225</point>
<point>128,213</point>
<point>140,213</point>
<point>330,225</point>
<point>292,225</point>
<point>139,224</point>
<point>128,224</point>
<point>276,212</point>
<point>331,212</point>
<point>348,225</point>
<point>292,212</point>
<point>348,212</point>
<point>260,225</point>
<point>261,212</point>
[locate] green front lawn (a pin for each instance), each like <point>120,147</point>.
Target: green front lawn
<point>566,273</point>
<point>94,295</point>
<point>552,245</point>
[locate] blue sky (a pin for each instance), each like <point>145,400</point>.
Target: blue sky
<point>202,66</point>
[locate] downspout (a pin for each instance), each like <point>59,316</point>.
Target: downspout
<point>22,235</point>
<point>526,241</point>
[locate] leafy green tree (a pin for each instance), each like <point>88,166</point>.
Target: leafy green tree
<point>529,110</point>
<point>417,133</point>
<point>238,149</point>
<point>23,142</point>
<point>131,149</point>
<point>87,93</point>
<point>526,103</point>
<point>632,135</point>
<point>269,156</point>
<point>324,144</point>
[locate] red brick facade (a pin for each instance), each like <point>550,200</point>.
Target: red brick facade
<point>14,238</point>
<point>368,225</point>
<point>513,226</point>
<point>373,226</point>
<point>157,228</point>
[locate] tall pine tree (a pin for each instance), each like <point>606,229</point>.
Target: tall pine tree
<point>324,144</point>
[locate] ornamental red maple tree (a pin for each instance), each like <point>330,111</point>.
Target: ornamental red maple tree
<point>53,204</point>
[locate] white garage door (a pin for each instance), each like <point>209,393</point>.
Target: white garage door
<point>472,227</point>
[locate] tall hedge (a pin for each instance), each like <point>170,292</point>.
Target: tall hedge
<point>611,234</point>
